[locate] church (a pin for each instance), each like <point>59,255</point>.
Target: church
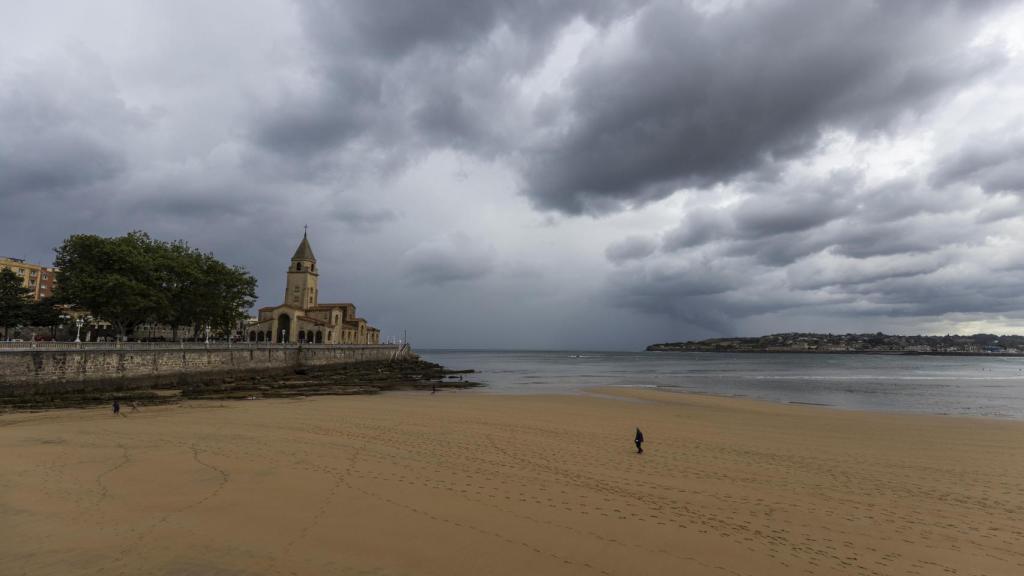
<point>302,318</point>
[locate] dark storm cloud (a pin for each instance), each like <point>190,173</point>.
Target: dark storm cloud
<point>795,218</point>
<point>631,248</point>
<point>61,130</point>
<point>695,99</point>
<point>455,258</point>
<point>681,292</point>
<point>669,97</point>
<point>771,217</point>
<point>397,78</point>
<point>833,247</point>
<point>700,225</point>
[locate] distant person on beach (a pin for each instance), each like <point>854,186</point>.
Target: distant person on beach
<point>639,440</point>
<point>135,405</point>
<point>117,407</point>
<point>433,388</point>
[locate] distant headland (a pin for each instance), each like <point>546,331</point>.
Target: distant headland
<point>877,343</point>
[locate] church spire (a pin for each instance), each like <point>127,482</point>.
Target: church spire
<point>304,252</point>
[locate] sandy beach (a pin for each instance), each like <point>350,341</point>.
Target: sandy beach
<point>474,483</point>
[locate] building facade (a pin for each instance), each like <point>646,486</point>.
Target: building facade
<point>39,279</point>
<point>303,318</point>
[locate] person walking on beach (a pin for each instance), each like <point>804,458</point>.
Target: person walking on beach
<point>117,407</point>
<point>639,440</point>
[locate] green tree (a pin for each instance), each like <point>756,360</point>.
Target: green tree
<point>135,279</point>
<point>178,275</point>
<point>45,314</point>
<point>225,294</point>
<point>14,300</point>
<point>114,278</point>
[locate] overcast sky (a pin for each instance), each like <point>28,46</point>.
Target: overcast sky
<point>542,173</point>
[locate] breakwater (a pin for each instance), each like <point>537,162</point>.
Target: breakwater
<point>73,366</point>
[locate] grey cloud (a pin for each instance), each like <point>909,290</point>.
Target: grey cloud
<point>768,215</point>
<point>370,30</point>
<point>454,258</point>
<point>801,216</point>
<point>364,219</point>
<point>696,99</point>
<point>64,128</point>
<point>681,294</point>
<point>699,226</point>
<point>784,209</point>
<point>832,270</point>
<point>991,161</point>
<point>713,297</point>
<point>631,248</point>
<point>394,80</point>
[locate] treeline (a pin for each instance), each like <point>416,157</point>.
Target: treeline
<point>134,279</point>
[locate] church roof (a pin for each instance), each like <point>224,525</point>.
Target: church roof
<point>304,252</point>
<point>329,305</point>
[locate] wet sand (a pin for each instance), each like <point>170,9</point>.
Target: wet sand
<point>471,483</point>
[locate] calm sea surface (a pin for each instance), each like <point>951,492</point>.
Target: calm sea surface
<point>967,385</point>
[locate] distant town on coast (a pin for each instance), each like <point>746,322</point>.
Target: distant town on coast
<point>877,343</point>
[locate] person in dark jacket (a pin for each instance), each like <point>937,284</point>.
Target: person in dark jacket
<point>117,407</point>
<point>639,440</point>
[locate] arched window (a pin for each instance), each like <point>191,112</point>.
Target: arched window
<point>302,335</point>
<point>252,336</point>
<point>259,336</point>
<point>319,337</point>
<point>328,335</point>
<point>298,266</point>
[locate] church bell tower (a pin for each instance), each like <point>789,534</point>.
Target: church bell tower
<point>301,291</point>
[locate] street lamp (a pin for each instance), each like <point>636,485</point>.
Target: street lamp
<point>207,333</point>
<point>79,322</point>
<point>282,336</point>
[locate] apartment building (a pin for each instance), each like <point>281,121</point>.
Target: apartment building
<point>39,279</point>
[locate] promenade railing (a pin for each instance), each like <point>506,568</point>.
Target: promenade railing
<point>23,346</point>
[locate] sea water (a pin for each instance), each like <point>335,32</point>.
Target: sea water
<point>991,386</point>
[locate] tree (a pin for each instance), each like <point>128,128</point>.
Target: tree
<point>114,278</point>
<point>44,314</point>
<point>14,300</point>
<point>134,279</point>
<point>225,293</point>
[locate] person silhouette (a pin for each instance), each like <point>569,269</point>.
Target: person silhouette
<point>117,407</point>
<point>639,440</point>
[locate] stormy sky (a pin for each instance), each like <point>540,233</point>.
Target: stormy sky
<point>542,173</point>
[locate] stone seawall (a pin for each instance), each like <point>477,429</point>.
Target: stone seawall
<point>74,368</point>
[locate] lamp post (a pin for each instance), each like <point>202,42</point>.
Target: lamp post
<point>79,322</point>
<point>207,333</point>
<point>282,336</point>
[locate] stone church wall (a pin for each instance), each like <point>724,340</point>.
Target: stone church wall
<point>70,369</point>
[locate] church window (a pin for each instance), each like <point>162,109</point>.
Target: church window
<point>298,266</point>
<point>319,337</point>
<point>252,336</point>
<point>328,335</point>
<point>302,335</point>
